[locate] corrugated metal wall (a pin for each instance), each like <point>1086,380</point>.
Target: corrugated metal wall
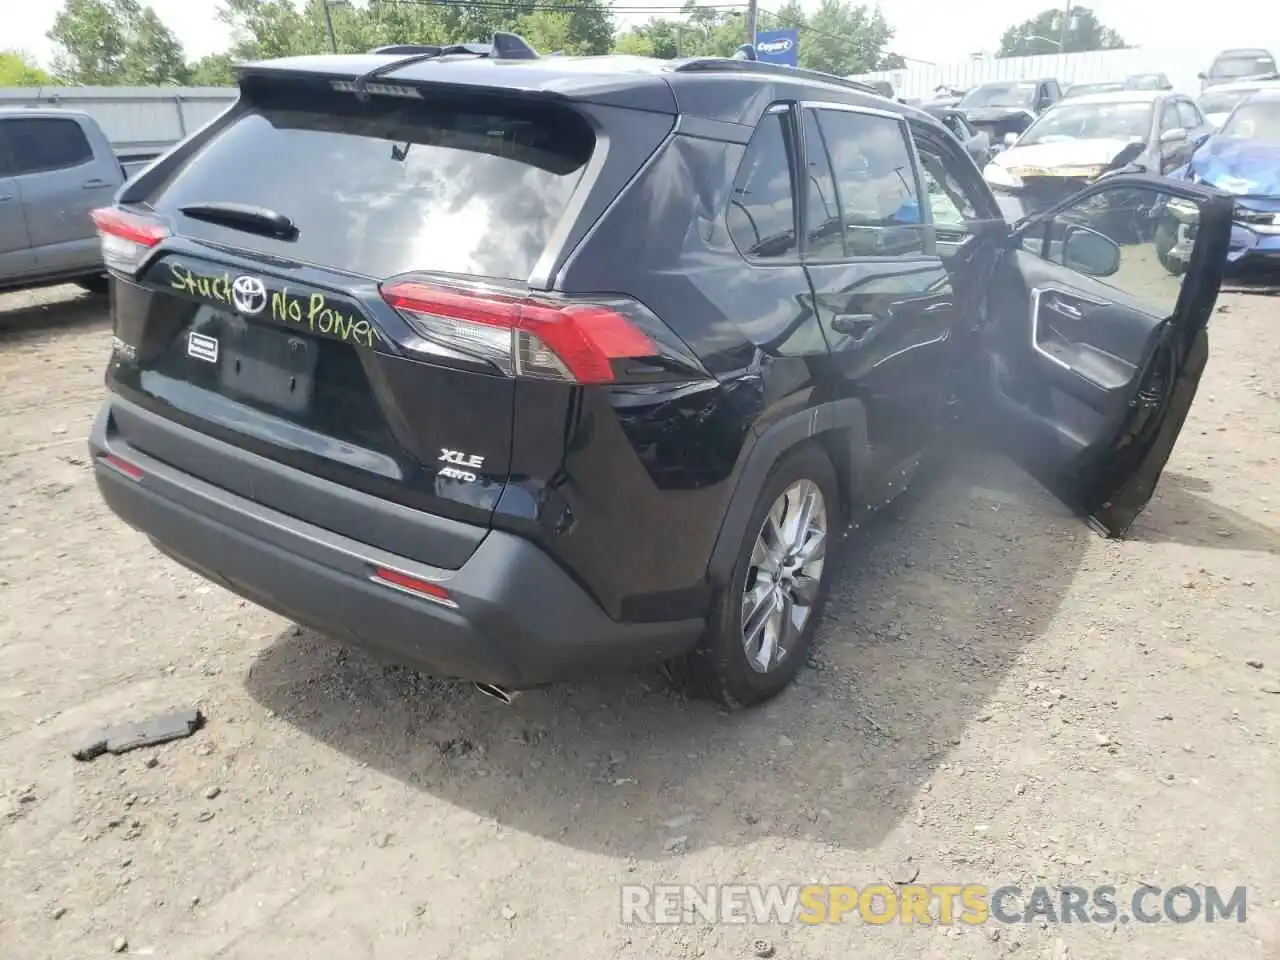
<point>1181,66</point>
<point>139,121</point>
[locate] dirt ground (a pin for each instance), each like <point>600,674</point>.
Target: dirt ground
<point>999,697</point>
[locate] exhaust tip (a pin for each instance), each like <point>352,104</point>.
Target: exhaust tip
<point>501,694</point>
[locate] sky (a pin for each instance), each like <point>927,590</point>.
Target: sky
<point>938,31</point>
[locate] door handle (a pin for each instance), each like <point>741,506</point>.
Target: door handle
<point>96,184</point>
<point>1058,305</point>
<point>5,196</point>
<point>856,325</point>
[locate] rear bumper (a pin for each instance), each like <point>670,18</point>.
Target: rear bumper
<point>513,617</point>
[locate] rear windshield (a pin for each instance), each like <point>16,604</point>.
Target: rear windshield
<point>1222,102</point>
<point>1242,66</point>
<point>392,185</point>
<point>1256,120</point>
<point>1000,95</point>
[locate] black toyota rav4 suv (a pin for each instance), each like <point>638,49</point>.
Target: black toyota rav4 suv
<point>518,368</point>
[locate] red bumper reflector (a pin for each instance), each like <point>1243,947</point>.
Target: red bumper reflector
<point>123,466</point>
<point>402,581</point>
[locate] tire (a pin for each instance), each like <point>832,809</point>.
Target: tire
<point>98,285</point>
<point>721,668</point>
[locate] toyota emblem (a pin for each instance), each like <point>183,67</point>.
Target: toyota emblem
<point>249,294</point>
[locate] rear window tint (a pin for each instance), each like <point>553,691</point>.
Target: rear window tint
<point>392,185</point>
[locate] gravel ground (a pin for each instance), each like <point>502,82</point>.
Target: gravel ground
<point>999,697</point>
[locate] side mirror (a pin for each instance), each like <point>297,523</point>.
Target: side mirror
<point>1202,75</point>
<point>1089,252</point>
<point>1010,139</point>
<point>1176,135</point>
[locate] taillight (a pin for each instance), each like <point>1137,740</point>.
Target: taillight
<point>126,237</point>
<point>568,340</point>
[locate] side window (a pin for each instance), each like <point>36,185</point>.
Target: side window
<point>1169,119</point>
<point>947,198</point>
<point>1134,239</point>
<point>46,143</point>
<point>824,227</point>
<point>876,184</point>
<point>1189,115</point>
<point>762,216</point>
<point>955,123</point>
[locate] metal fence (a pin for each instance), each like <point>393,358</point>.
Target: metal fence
<point>140,122</point>
<point>1181,65</point>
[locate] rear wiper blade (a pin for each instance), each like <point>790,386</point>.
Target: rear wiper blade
<point>241,216</point>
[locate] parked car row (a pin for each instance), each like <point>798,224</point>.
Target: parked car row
<point>1137,81</point>
<point>1218,102</point>
<point>1038,146</point>
<point>1241,64</point>
<point>1083,138</point>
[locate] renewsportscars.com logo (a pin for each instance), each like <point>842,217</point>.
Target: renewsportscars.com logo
<point>928,905</point>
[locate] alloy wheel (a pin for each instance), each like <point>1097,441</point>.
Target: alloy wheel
<point>784,575</point>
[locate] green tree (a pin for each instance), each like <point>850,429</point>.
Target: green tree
<point>19,70</point>
<point>108,42</point>
<point>277,28</point>
<point>1044,33</point>
<point>213,70</point>
<point>634,44</point>
<point>153,55</point>
<point>838,37</point>
<point>93,39</point>
<point>581,32</point>
<point>697,32</point>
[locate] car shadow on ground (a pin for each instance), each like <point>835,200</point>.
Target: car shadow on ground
<point>933,604</point>
<point>34,320</point>
<point>1185,511</point>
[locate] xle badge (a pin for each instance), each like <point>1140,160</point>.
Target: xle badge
<point>202,347</point>
<point>457,459</point>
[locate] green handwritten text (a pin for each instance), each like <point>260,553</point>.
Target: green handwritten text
<point>211,288</point>
<point>316,313</point>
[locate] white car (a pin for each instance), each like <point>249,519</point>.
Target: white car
<point>1079,139</point>
<point>1217,102</point>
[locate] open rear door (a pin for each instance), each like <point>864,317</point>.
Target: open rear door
<point>1097,340</point>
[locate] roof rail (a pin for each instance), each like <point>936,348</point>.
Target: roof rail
<point>748,64</point>
<point>503,46</point>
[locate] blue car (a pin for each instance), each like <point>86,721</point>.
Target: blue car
<point>1243,159</point>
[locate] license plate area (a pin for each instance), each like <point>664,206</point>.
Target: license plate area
<point>265,364</point>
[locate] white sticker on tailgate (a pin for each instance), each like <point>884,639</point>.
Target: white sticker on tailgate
<point>202,347</point>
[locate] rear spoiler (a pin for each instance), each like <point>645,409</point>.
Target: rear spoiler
<point>464,69</point>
